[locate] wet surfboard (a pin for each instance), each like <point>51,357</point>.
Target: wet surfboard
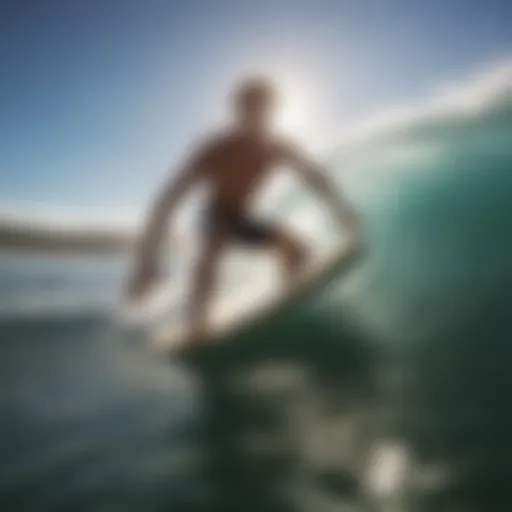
<point>226,322</point>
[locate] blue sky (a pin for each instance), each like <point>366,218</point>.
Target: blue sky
<point>99,97</point>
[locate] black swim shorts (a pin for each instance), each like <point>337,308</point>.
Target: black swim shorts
<point>242,228</point>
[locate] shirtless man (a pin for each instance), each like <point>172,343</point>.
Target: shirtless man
<point>233,166</point>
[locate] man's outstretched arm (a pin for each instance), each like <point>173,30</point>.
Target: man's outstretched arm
<point>146,265</point>
<point>316,179</point>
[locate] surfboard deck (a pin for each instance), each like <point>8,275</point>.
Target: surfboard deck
<point>318,275</point>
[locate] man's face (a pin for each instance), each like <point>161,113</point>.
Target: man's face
<point>258,113</point>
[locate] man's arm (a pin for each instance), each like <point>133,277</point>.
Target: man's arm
<point>165,205</point>
<point>316,179</point>
<point>146,269</point>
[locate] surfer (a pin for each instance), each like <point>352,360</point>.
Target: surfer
<point>233,165</point>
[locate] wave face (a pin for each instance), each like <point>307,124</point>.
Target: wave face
<point>388,389</point>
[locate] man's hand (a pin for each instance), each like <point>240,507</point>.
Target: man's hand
<point>144,278</point>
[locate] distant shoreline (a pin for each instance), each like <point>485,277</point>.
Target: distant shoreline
<point>51,240</point>
<point>65,242</point>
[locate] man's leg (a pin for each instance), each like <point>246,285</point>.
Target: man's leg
<point>292,251</point>
<point>204,282</point>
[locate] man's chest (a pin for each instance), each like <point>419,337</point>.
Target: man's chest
<point>243,165</point>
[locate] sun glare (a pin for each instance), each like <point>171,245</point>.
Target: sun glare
<point>294,112</point>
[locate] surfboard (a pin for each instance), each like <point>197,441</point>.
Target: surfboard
<point>224,322</point>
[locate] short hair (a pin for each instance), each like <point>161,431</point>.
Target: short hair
<point>254,90</point>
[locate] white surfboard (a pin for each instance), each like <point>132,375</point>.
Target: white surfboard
<point>226,320</point>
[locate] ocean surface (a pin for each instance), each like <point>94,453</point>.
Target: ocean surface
<point>388,391</point>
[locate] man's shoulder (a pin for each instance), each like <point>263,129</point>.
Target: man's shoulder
<point>207,140</point>
<point>213,141</point>
<point>220,140</point>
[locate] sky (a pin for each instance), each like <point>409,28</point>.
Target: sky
<point>100,99</point>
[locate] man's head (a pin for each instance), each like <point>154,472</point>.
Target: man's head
<point>255,99</point>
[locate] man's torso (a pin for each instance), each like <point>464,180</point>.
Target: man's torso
<point>237,166</point>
